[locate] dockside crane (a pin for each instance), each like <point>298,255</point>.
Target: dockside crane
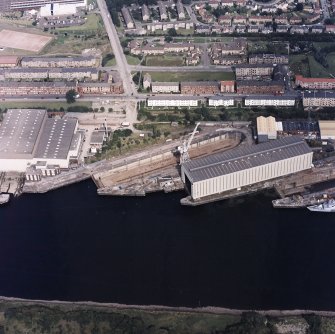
<point>184,156</point>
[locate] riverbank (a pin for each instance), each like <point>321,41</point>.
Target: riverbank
<point>38,316</point>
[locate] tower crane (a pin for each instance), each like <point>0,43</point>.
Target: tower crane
<point>184,156</point>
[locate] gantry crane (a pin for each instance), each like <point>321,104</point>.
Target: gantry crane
<point>183,150</point>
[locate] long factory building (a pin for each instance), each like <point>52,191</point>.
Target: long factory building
<point>231,170</point>
<point>28,137</point>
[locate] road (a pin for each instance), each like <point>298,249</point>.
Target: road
<point>199,68</point>
<point>122,65</point>
<point>325,10</point>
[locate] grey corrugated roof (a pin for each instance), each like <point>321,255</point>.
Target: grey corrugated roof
<point>97,137</point>
<point>19,132</point>
<point>56,138</point>
<point>244,158</point>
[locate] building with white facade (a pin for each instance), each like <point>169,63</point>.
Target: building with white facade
<point>177,101</point>
<point>221,101</point>
<point>269,100</point>
<point>165,87</point>
<point>244,166</point>
<point>318,99</point>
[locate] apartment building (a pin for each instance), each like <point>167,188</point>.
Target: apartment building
<point>13,88</point>
<point>268,58</point>
<point>269,100</point>
<point>227,86</point>
<point>260,87</point>
<point>176,101</point>
<point>199,87</point>
<point>260,19</point>
<point>253,71</point>
<point>90,88</point>
<point>21,73</point>
<point>89,61</point>
<point>318,99</point>
<point>165,87</point>
<point>315,83</point>
<point>221,101</point>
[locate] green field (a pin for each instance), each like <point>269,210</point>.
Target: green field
<point>131,60</point>
<point>191,76</point>
<point>166,60</point>
<point>331,62</point>
<point>42,105</point>
<point>316,69</point>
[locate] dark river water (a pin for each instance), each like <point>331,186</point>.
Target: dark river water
<point>71,244</point>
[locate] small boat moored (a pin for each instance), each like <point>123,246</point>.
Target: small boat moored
<point>328,206</point>
<point>4,198</point>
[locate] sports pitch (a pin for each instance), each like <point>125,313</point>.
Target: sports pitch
<point>23,41</point>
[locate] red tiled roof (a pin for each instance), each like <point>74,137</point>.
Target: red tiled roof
<point>302,79</point>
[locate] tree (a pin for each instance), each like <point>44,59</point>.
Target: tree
<point>299,7</point>
<point>172,32</point>
<point>71,96</point>
<point>168,39</point>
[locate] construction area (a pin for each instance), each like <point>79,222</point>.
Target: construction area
<point>159,171</point>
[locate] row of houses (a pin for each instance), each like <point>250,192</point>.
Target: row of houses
<point>263,29</point>
<point>314,83</point>
<point>222,101</point>
<point>316,99</point>
<point>165,26</point>
<point>69,74</point>
<point>312,99</point>
<point>79,61</point>
<point>215,87</point>
<point>221,58</point>
<point>12,88</point>
<point>49,62</point>
<point>279,19</point>
<point>137,49</point>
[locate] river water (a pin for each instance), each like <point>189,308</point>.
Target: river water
<point>71,244</point>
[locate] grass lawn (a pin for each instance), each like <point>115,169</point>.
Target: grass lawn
<point>331,62</point>
<point>42,104</point>
<point>166,60</point>
<point>316,69</point>
<point>191,76</point>
<point>131,60</point>
<point>111,62</point>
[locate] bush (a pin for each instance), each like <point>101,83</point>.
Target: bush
<point>78,109</point>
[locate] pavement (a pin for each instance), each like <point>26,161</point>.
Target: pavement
<point>122,65</point>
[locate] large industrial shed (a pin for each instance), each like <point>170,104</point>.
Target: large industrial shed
<point>28,136</point>
<point>244,166</point>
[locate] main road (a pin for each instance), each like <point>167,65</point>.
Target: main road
<point>121,61</point>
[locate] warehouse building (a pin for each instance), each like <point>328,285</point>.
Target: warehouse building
<point>231,170</point>
<point>29,137</point>
<point>266,128</point>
